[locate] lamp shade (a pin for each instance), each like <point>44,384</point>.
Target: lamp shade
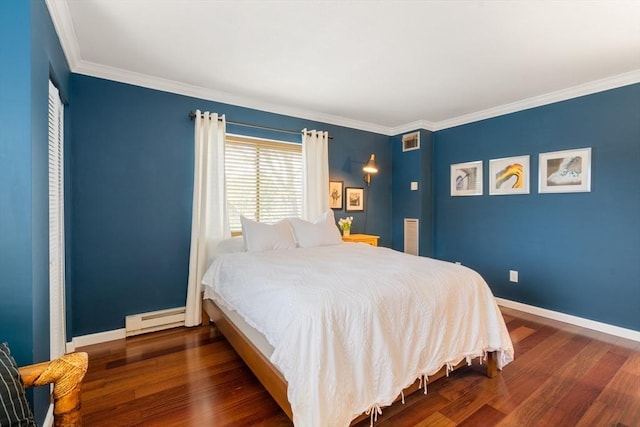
<point>370,166</point>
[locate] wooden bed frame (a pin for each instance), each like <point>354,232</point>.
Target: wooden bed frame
<point>269,375</point>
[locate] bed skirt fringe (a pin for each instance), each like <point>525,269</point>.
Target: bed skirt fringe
<point>376,410</point>
<point>373,411</point>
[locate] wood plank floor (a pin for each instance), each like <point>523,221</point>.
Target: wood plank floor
<point>563,375</point>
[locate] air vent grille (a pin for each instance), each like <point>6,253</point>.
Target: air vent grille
<point>411,236</point>
<point>411,141</point>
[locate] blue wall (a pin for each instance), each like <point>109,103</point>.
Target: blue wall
<point>132,181</point>
<point>576,253</point>
<point>30,52</point>
<point>16,325</point>
<point>409,166</point>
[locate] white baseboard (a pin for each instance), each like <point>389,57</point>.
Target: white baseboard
<point>573,320</point>
<point>48,420</point>
<point>96,338</point>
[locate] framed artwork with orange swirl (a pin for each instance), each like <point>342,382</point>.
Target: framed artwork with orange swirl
<point>509,175</point>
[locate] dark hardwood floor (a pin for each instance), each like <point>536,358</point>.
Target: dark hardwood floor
<point>563,375</point>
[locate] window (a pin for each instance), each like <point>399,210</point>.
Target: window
<point>264,179</point>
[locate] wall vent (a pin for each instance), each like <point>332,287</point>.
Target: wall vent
<point>411,141</point>
<point>142,323</point>
<point>411,236</point>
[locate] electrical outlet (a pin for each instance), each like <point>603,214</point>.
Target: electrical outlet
<point>414,185</point>
<point>513,276</point>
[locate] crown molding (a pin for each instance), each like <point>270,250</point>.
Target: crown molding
<point>172,86</point>
<point>63,23</point>
<point>157,83</point>
<point>408,127</point>
<point>601,85</point>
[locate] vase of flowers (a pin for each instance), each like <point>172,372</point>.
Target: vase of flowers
<point>345,225</point>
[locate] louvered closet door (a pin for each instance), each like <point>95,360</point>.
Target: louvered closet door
<point>56,224</point>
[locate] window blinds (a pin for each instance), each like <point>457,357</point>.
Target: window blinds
<point>264,180</point>
<point>56,223</point>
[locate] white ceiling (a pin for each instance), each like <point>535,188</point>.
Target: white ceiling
<point>385,66</point>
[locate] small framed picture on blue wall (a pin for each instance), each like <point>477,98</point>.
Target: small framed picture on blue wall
<point>354,198</point>
<point>335,194</point>
<point>466,179</point>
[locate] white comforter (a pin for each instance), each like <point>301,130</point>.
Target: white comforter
<point>352,325</point>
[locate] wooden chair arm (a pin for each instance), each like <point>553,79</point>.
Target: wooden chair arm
<point>66,374</point>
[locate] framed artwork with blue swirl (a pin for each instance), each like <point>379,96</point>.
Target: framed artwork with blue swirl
<point>466,179</point>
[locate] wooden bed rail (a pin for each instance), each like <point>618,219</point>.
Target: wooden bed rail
<point>66,374</point>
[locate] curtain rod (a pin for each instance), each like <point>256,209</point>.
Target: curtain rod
<point>192,115</point>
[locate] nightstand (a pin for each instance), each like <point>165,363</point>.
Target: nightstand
<point>361,238</point>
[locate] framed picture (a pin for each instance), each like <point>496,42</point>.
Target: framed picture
<point>509,175</point>
<point>466,179</point>
<point>335,194</point>
<point>354,198</point>
<point>566,171</point>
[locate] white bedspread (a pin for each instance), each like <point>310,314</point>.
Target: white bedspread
<point>352,325</point>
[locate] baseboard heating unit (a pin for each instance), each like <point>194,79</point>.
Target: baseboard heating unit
<point>137,324</point>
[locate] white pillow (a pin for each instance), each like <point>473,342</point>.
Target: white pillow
<point>260,237</point>
<point>229,246</point>
<point>322,232</point>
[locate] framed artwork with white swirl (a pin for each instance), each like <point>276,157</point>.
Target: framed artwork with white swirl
<point>567,171</point>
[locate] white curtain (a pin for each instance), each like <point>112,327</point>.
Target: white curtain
<point>315,174</point>
<point>210,222</point>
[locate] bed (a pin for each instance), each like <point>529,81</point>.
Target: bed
<point>339,331</point>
